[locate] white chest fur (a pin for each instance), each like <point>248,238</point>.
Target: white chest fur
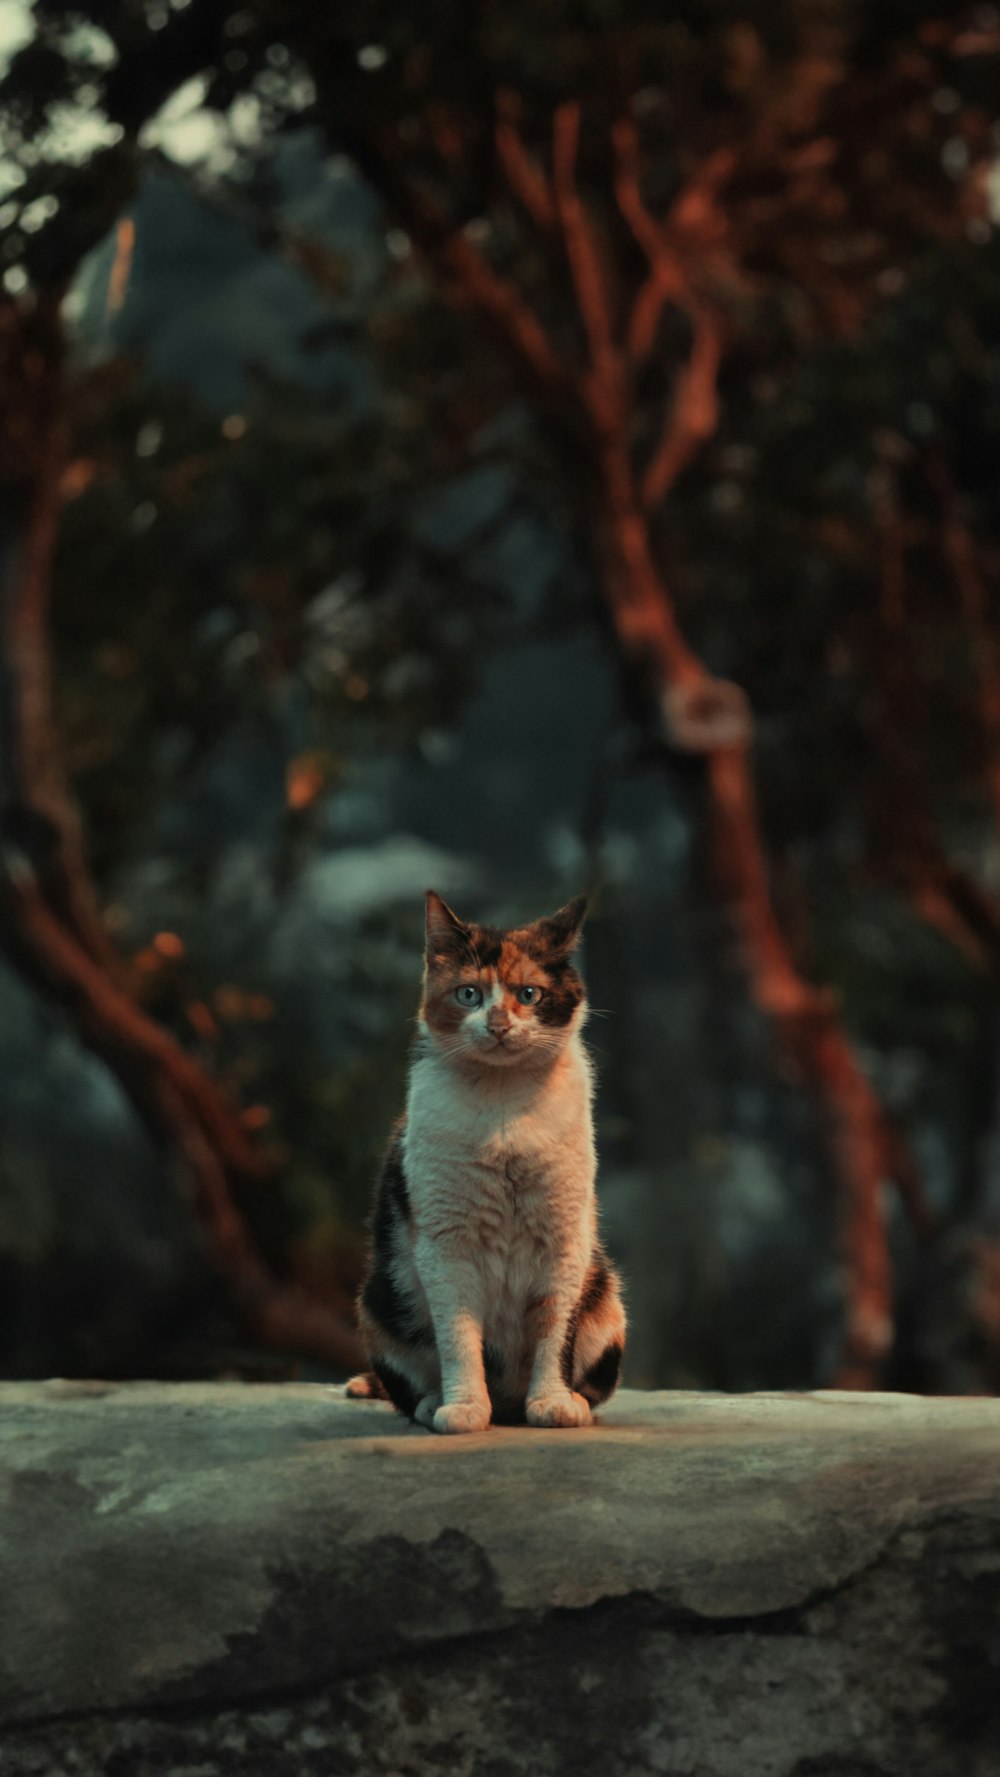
<point>457,1121</point>
<point>500,1170</point>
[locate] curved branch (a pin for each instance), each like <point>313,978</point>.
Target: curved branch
<point>584,257</point>
<point>508,310</point>
<point>694,412</point>
<point>37,807</point>
<point>522,172</point>
<point>665,282</point>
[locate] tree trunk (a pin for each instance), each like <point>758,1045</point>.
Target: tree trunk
<point>707,716</point>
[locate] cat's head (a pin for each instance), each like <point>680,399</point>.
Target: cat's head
<point>502,999</point>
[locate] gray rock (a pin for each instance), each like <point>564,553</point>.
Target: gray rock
<point>221,1578</point>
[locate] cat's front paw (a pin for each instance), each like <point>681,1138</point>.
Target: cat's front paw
<point>559,1408</point>
<point>456,1416</point>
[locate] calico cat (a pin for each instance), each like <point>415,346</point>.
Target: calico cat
<point>489,1294</point>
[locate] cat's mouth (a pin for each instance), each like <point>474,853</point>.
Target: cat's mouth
<point>502,1045</point>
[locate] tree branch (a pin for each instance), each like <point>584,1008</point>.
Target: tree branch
<point>37,807</point>
<point>694,413</point>
<point>524,176</point>
<point>693,227</point>
<point>665,282</point>
<point>481,285</point>
<point>606,384</point>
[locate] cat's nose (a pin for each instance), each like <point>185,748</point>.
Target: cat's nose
<point>498,1021</point>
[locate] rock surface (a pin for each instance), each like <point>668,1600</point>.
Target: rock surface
<point>200,1579</point>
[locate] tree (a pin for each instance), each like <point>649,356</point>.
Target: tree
<point>627,203</point>
<point>671,227</point>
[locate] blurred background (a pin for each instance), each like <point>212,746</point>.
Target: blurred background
<point>508,449</point>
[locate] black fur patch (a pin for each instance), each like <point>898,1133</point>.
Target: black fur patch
<point>486,943</point>
<point>602,1377</point>
<point>493,1363</point>
<point>563,995</point>
<point>392,1202</point>
<point>569,1346</point>
<point>479,946</point>
<point>385,1302</point>
<point>381,1295</point>
<point>595,1288</point>
<point>400,1390</point>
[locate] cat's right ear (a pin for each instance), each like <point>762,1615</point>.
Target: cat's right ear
<point>444,930</point>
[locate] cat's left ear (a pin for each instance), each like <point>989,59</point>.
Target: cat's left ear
<point>444,929</point>
<point>560,932</point>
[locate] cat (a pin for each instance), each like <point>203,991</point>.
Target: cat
<point>489,1294</point>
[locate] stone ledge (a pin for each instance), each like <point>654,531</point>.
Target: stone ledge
<point>210,1550</point>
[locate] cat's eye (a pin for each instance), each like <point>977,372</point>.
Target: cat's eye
<point>469,996</point>
<point>530,996</point>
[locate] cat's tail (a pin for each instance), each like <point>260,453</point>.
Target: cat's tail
<point>593,1356</point>
<point>366,1387</point>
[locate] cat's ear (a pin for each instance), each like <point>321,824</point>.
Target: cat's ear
<point>560,932</point>
<point>444,929</point>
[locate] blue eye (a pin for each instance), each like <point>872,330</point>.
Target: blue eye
<point>529,996</point>
<point>469,996</point>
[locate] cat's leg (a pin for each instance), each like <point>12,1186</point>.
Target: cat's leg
<point>592,1363</point>
<point>404,1369</point>
<point>551,1401</point>
<point>392,1316</point>
<point>453,1288</point>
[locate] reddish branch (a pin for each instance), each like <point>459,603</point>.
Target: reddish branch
<point>605,387</point>
<point>681,248</point>
<point>480,284</point>
<point>34,792</point>
<point>694,414</point>
<point>524,176</point>
<point>181,1109</point>
<point>665,282</point>
<point>643,615</point>
<point>675,276</point>
<point>868,1149</point>
<point>50,929</point>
